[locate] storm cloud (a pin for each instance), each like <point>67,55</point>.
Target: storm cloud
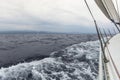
<point>49,15</point>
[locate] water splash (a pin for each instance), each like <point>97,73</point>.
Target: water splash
<point>77,62</point>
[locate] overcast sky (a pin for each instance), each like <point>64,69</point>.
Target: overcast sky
<point>49,15</point>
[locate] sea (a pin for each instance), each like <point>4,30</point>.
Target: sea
<point>45,56</point>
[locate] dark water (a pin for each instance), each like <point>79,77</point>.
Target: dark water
<point>76,62</point>
<point>15,48</point>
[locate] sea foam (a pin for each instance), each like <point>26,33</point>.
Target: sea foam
<point>77,62</point>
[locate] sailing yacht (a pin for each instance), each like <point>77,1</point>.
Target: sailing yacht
<point>109,59</point>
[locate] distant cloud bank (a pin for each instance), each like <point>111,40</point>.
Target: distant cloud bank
<point>49,15</point>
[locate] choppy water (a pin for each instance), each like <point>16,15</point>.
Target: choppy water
<point>77,62</point>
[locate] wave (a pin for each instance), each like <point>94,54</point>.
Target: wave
<point>77,62</point>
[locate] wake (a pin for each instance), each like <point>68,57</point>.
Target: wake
<point>77,62</point>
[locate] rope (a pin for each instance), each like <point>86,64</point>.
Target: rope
<point>114,31</point>
<point>105,34</point>
<point>89,10</point>
<point>102,36</point>
<point>111,16</point>
<point>109,33</point>
<point>105,59</point>
<point>116,26</point>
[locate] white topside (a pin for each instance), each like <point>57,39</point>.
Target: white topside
<point>112,51</point>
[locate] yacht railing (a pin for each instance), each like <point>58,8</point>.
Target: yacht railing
<point>104,38</point>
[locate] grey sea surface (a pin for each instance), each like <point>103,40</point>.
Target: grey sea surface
<point>16,48</point>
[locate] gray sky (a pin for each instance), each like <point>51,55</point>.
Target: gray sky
<point>49,15</point>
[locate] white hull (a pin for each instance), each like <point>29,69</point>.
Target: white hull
<point>112,52</point>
